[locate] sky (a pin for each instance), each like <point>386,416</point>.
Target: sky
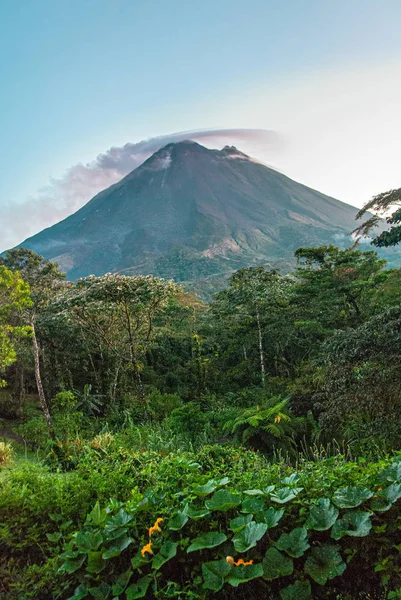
<point>83,82</point>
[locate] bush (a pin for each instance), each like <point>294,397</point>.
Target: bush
<point>6,454</point>
<point>189,420</point>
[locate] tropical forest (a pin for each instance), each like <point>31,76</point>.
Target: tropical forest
<point>159,444</point>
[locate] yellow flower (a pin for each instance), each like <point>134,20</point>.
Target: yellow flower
<point>155,527</point>
<point>147,549</point>
<point>277,419</point>
<point>242,562</point>
<point>379,489</point>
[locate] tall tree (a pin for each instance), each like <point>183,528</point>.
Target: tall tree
<point>44,279</point>
<point>14,297</point>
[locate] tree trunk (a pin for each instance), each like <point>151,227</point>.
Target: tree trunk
<point>39,385</point>
<point>261,353</point>
<point>134,362</point>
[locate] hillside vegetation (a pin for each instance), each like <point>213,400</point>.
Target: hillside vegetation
<point>154,446</point>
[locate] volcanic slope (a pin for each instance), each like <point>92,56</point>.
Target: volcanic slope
<point>190,213</point>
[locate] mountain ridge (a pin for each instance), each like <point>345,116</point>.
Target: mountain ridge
<point>189,212</point>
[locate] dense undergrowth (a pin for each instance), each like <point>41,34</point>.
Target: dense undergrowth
<point>157,447</point>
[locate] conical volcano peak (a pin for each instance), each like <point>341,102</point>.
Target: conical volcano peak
<point>190,212</point>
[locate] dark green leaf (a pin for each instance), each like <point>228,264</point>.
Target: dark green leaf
<point>301,590</point>
<point>207,540</point>
<point>244,573</point>
<point>252,505</point>
<point>73,564</point>
<point>138,589</point>
<point>354,523</point>
<point>198,514</point>
<point>178,520</point>
<point>223,500</point>
<point>271,517</point>
<point>350,497</point>
<point>294,543</point>
<point>324,562</point>
<point>117,548</point>
<point>249,536</point>
<point>276,564</point>
<point>89,540</point>
<point>239,522</point>
<point>322,515</point>
<point>95,562</point>
<point>119,520</point>
<point>166,552</point>
<point>121,583</point>
<point>80,592</point>
<point>206,489</point>
<point>285,494</point>
<point>100,593</point>
<point>214,573</point>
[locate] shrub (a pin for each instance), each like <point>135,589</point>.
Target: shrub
<point>6,454</point>
<point>188,419</point>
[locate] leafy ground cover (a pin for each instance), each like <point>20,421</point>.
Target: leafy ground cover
<point>201,526</point>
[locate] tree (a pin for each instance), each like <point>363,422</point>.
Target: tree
<point>44,279</point>
<point>335,286</point>
<point>120,311</point>
<point>249,310</point>
<point>14,297</point>
<point>381,205</point>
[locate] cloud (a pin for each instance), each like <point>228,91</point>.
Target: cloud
<point>81,182</point>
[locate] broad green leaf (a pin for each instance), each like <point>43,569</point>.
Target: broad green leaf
<point>350,497</point>
<point>322,515</point>
<point>118,521</point>
<point>392,473</point>
<point>206,489</point>
<point>223,500</point>
<point>138,589</point>
<point>276,564</point>
<point>95,562</point>
<point>117,548</point>
<point>239,522</point>
<point>178,520</point>
<point>301,590</point>
<point>324,562</point>
<point>223,481</point>
<point>138,560</point>
<point>97,516</point>
<point>249,536</point>
<point>214,573</point>
<point>195,514</point>
<point>254,493</point>
<point>73,564</point>
<point>252,505</point>
<point>166,552</point>
<point>207,540</point>
<point>294,543</point>
<point>354,523</point>
<point>285,494</point>
<point>53,537</point>
<point>244,573</point>
<point>271,517</point>
<point>80,592</point>
<point>100,593</point>
<point>269,489</point>
<point>291,479</point>
<point>121,583</point>
<point>384,499</point>
<point>89,540</point>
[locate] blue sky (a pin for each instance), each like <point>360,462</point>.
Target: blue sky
<point>80,76</point>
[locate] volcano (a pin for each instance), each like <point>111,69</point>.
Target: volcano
<point>190,213</point>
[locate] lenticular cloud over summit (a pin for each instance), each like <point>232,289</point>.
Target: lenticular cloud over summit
<point>81,182</point>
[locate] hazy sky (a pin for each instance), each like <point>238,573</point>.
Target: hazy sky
<point>81,76</point>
